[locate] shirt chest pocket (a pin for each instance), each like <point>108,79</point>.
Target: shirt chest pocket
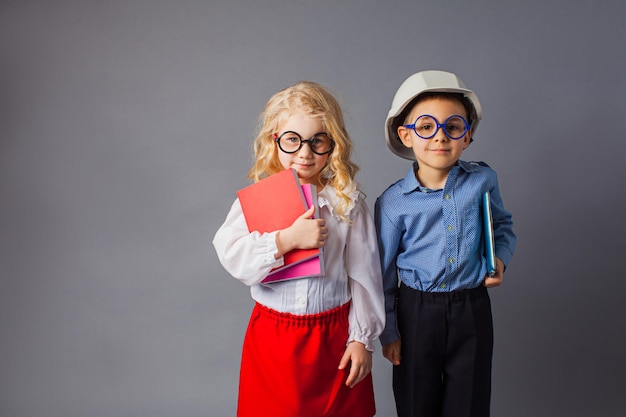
<point>471,228</point>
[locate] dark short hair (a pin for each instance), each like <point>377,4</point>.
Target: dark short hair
<point>470,112</point>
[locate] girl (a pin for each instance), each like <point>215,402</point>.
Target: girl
<point>308,347</point>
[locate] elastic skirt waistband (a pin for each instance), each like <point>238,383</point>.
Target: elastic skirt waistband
<point>337,313</point>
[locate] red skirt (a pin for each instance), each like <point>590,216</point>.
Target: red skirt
<point>289,367</point>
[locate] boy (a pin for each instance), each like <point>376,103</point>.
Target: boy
<point>438,333</point>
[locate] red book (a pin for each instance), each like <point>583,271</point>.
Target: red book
<point>274,203</point>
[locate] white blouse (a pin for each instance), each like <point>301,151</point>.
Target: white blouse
<point>351,263</point>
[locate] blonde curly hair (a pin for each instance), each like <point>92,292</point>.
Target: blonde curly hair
<point>315,101</point>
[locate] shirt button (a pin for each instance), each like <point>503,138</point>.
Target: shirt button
<point>450,227</point>
<point>451,260</point>
<point>301,301</point>
<point>447,197</point>
<point>443,286</point>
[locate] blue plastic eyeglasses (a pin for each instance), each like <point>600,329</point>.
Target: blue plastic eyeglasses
<point>426,126</point>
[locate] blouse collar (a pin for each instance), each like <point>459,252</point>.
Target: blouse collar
<point>328,198</point>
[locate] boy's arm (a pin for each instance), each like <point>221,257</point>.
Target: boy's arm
<point>391,351</point>
<point>388,243</point>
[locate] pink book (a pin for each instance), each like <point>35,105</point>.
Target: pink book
<point>313,267</point>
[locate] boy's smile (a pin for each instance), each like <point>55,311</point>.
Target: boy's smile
<point>441,151</point>
<point>437,155</point>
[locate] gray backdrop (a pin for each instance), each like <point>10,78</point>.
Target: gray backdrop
<point>125,130</point>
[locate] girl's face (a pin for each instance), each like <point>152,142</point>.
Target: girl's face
<point>304,161</point>
<point>438,153</point>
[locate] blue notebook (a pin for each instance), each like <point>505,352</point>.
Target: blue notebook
<point>490,246</point>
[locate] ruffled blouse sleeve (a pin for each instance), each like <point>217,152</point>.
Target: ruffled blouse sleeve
<point>367,312</point>
<point>248,257</point>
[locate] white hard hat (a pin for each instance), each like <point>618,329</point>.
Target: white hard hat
<point>425,82</point>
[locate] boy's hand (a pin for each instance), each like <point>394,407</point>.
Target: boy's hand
<point>304,233</point>
<point>391,351</point>
<point>497,279</point>
<point>361,359</point>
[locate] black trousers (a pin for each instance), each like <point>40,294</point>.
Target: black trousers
<point>447,347</point>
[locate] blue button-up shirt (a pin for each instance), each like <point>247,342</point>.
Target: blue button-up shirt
<point>432,240</point>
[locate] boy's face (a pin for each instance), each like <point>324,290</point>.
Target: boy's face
<point>438,153</point>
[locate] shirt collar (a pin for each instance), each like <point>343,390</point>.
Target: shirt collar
<point>411,184</point>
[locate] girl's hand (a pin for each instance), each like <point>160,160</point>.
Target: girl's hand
<point>304,233</point>
<point>391,351</point>
<point>497,279</point>
<point>361,359</point>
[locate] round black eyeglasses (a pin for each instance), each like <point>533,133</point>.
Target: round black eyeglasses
<point>291,142</point>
